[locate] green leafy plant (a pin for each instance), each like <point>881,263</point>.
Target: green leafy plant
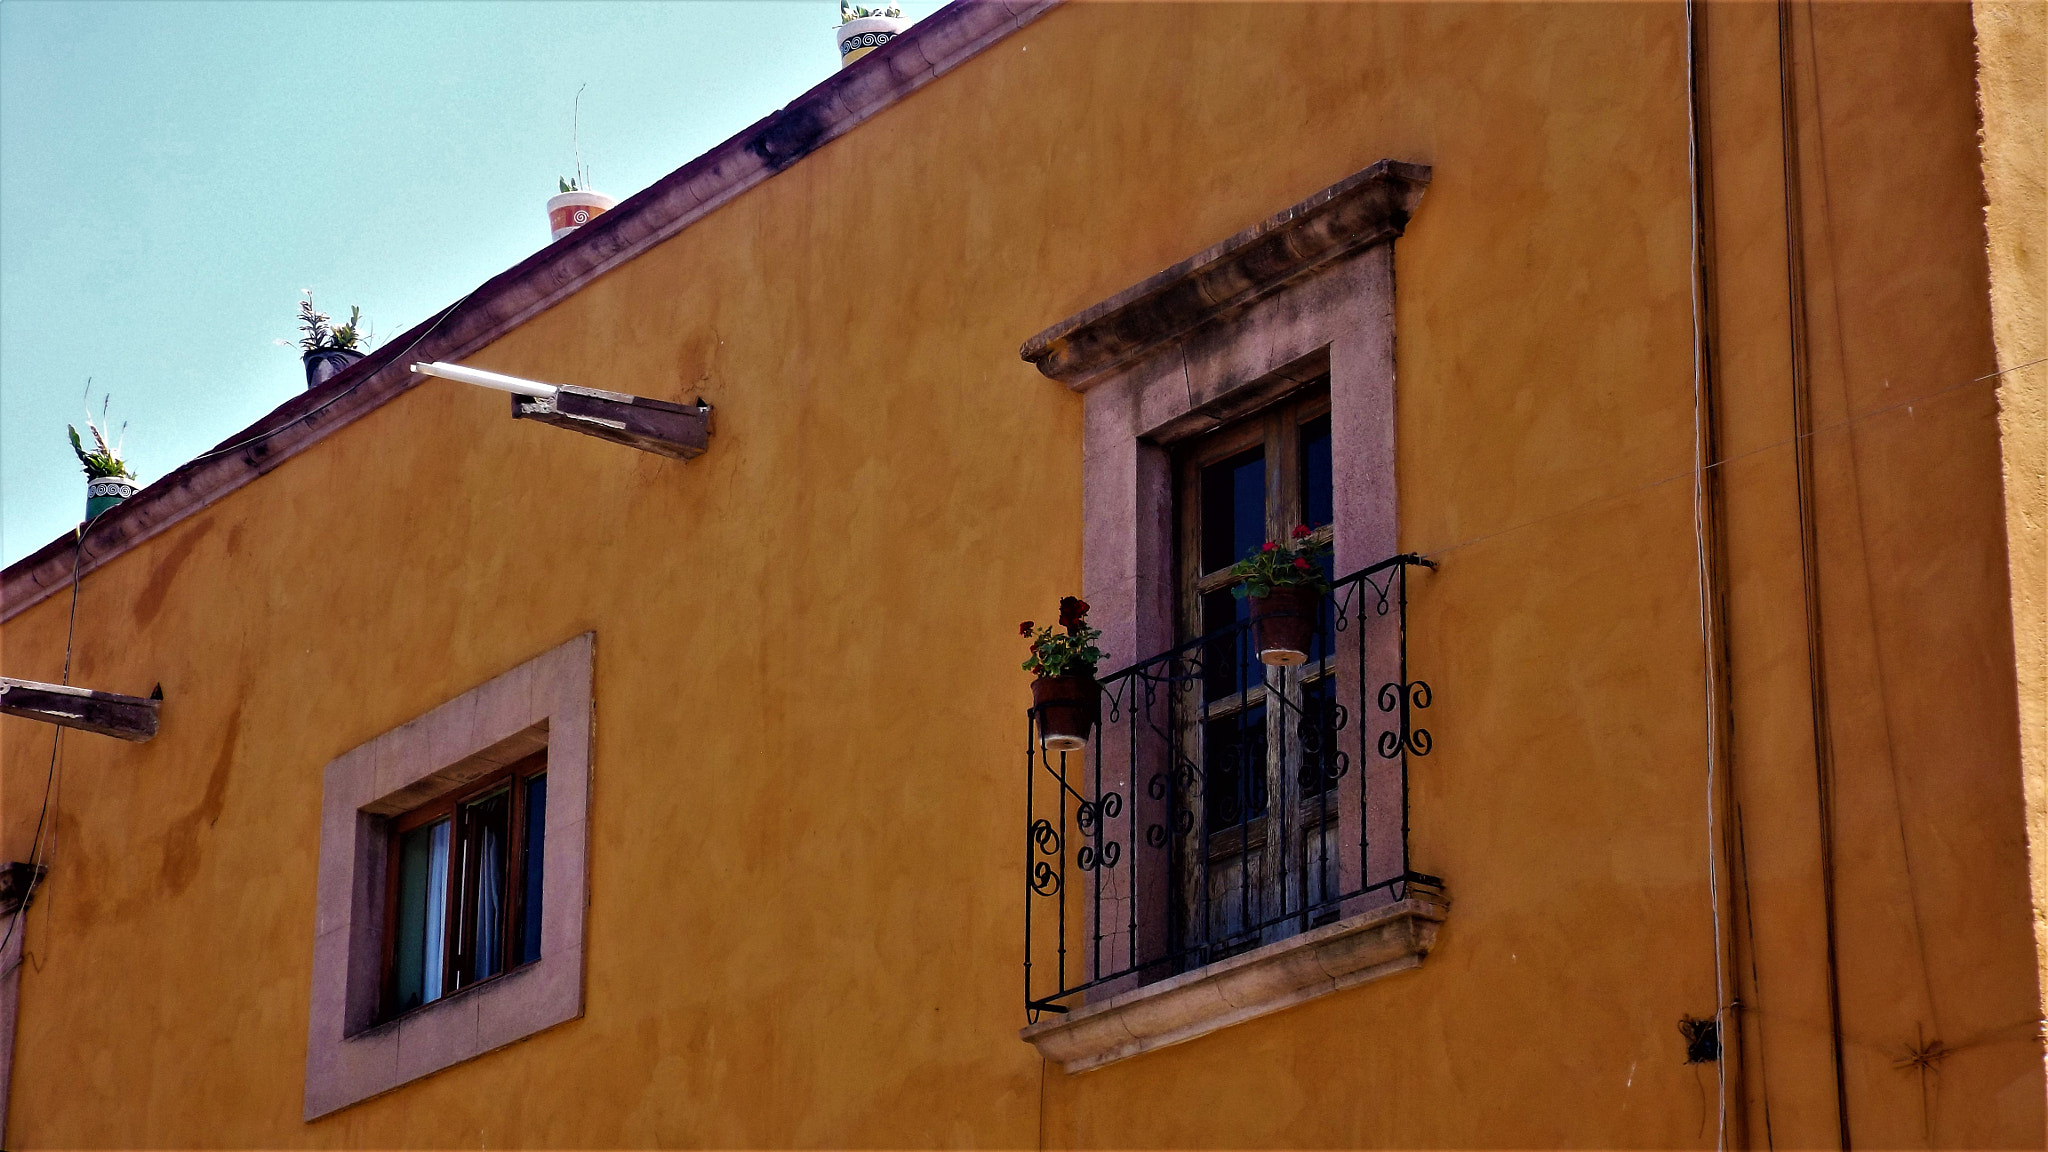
<point>1057,653</point>
<point>350,337</point>
<point>102,459</point>
<point>1275,564</point>
<point>319,333</point>
<point>570,183</point>
<point>851,11</point>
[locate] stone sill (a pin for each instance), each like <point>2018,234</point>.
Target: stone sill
<point>1386,940</point>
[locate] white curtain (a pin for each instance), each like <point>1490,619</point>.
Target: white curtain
<point>437,912</point>
<point>490,904</point>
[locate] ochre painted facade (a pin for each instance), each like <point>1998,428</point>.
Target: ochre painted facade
<point>805,818</point>
<point>2012,91</point>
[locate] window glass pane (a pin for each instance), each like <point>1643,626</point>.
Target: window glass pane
<point>433,918</point>
<point>1318,497</point>
<point>409,934</point>
<point>1226,659</point>
<point>1234,759</point>
<point>530,866</point>
<point>490,821</point>
<point>1233,509</point>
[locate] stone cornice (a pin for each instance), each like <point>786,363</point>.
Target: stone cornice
<point>1367,208</point>
<point>927,50</point>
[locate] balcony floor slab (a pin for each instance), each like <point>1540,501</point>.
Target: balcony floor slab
<point>1353,951</point>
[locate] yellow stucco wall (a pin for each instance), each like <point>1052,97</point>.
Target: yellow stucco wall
<point>805,905</point>
<point>2012,73</point>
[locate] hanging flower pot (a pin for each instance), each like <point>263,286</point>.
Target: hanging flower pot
<point>1286,585</point>
<point>862,30</point>
<point>1068,708</point>
<point>1065,697</point>
<point>103,492</point>
<point>1284,624</point>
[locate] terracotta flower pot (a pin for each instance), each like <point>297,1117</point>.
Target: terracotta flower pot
<point>1284,624</point>
<point>103,492</point>
<point>862,35</point>
<point>568,211</point>
<point>327,363</point>
<point>1068,707</point>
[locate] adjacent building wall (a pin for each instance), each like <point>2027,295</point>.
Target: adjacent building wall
<point>2012,86</point>
<point>806,798</point>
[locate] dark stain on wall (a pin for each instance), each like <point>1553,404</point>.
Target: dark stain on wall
<point>181,838</point>
<point>150,600</point>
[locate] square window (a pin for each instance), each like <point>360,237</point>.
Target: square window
<point>453,862</point>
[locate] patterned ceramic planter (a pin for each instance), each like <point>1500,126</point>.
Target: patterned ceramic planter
<point>103,492</point>
<point>568,211</point>
<point>861,36</point>
<point>326,364</point>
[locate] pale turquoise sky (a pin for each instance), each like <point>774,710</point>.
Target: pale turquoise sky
<point>172,174</point>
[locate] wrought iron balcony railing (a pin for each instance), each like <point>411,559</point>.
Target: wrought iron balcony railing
<point>1223,803</point>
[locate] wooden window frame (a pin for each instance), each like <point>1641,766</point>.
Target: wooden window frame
<point>459,907</point>
<point>1275,428</point>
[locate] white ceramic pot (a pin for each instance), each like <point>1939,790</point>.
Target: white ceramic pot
<point>568,211</point>
<point>859,37</point>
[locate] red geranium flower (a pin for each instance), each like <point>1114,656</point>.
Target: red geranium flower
<point>1268,546</point>
<point>1301,563</point>
<point>1300,530</point>
<point>1025,628</point>
<point>1073,612</point>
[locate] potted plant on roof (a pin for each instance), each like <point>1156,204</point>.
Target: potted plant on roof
<point>107,478</point>
<point>862,29</point>
<point>326,347</point>
<point>575,205</point>
<point>1286,586</point>
<point>1065,696</point>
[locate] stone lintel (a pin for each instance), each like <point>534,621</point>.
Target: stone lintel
<point>1366,208</point>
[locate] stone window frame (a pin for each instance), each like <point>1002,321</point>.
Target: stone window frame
<point>350,1057</point>
<point>1307,294</point>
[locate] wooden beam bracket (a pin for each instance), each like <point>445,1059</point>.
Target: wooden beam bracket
<point>678,431</point>
<point>107,713</point>
<point>18,879</point>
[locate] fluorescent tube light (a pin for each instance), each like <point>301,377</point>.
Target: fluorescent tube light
<point>483,379</point>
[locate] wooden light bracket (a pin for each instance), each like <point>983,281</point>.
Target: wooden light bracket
<point>18,880</point>
<point>107,713</point>
<point>678,431</point>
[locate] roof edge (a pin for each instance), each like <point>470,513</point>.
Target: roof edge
<point>922,53</point>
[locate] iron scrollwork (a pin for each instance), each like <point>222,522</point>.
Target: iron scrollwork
<point>1220,865</point>
<point>1088,859</point>
<point>1404,697</point>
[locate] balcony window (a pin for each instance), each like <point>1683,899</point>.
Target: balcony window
<point>1229,813</point>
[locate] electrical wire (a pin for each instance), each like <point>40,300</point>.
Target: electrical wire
<point>1809,542</point>
<point>1457,545</point>
<point>1711,683</point>
<point>38,845</point>
<point>338,397</point>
